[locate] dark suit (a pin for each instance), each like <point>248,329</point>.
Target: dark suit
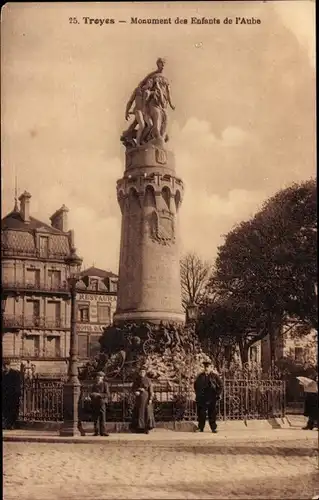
<point>99,402</point>
<point>208,387</point>
<point>11,392</point>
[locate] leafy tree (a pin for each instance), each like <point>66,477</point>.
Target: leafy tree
<point>266,271</point>
<point>217,328</point>
<point>195,274</point>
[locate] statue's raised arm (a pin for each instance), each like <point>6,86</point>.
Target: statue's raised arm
<point>151,98</point>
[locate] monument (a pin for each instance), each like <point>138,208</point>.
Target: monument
<point>150,195</point>
<point>149,318</point>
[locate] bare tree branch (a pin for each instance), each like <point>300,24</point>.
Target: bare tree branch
<point>195,274</point>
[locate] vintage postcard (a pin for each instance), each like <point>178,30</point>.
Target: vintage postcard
<point>159,250</point>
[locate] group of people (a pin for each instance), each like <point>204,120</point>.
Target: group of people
<point>208,389</point>
<point>143,416</point>
<point>207,386</point>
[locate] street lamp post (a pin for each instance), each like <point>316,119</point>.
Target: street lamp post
<point>191,313</point>
<point>71,389</point>
<point>191,318</point>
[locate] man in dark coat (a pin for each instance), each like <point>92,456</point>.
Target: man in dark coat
<point>100,396</point>
<point>208,387</point>
<point>11,392</point>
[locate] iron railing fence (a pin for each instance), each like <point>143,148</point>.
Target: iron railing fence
<point>42,400</point>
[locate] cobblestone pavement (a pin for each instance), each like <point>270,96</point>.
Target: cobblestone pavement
<point>199,468</point>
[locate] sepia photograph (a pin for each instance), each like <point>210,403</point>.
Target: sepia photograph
<point>159,250</point>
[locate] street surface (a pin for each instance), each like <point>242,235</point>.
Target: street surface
<point>166,465</point>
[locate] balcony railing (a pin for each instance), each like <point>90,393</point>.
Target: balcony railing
<point>13,321</point>
<point>37,286</point>
<point>38,353</point>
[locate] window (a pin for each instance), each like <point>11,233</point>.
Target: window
<point>32,313</point>
<point>83,314</point>
<point>53,347</point>
<point>103,313</point>
<point>113,286</point>
<point>299,354</point>
<point>54,278</point>
<point>94,284</point>
<point>44,246</point>
<point>53,314</point>
<point>32,278</point>
<point>31,346</point>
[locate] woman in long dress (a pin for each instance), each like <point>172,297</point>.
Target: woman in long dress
<point>311,410</point>
<point>143,415</point>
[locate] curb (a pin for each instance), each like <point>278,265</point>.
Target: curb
<point>177,426</point>
<point>172,440</point>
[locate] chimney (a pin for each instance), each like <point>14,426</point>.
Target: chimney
<point>59,220</point>
<point>71,238</point>
<point>25,206</point>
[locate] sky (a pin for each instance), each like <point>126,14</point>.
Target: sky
<point>243,127</point>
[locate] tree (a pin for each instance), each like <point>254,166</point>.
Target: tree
<point>195,274</point>
<point>217,328</point>
<point>267,268</point>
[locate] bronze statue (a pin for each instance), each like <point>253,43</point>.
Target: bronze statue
<point>151,98</point>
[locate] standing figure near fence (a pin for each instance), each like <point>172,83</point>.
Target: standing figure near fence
<point>208,387</point>
<point>11,392</point>
<point>143,415</point>
<point>100,396</point>
<point>311,409</point>
<point>81,412</point>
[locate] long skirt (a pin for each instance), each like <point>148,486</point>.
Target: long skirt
<point>143,414</point>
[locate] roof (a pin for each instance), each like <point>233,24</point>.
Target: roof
<point>100,273</point>
<point>14,221</point>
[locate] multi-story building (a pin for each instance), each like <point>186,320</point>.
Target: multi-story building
<point>36,315</point>
<point>36,309</point>
<point>299,348</point>
<point>96,304</point>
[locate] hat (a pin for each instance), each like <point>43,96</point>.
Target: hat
<point>100,374</point>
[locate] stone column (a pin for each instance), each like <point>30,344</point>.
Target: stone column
<point>149,195</point>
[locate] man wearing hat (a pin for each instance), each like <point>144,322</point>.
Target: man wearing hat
<point>99,397</point>
<point>208,387</point>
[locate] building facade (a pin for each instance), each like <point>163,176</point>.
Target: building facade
<point>299,347</point>
<point>36,309</point>
<point>36,301</point>
<point>96,304</point>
